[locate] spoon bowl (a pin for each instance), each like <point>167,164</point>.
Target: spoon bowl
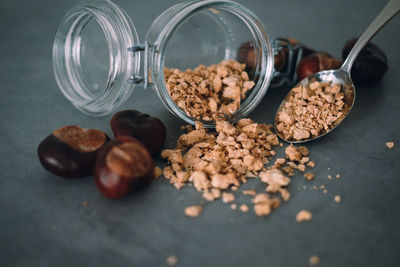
<point>339,76</point>
<point>342,75</point>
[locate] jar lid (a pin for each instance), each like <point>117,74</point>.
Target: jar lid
<point>92,63</point>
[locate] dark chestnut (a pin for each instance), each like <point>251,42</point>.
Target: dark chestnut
<point>122,166</point>
<point>369,66</point>
<point>247,54</point>
<point>148,130</point>
<point>316,62</point>
<point>71,151</point>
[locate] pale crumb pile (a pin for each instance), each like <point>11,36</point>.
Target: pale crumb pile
<point>209,92</point>
<point>215,162</point>
<point>193,211</point>
<point>311,110</point>
<point>337,198</point>
<point>338,176</point>
<point>314,260</point>
<point>389,145</point>
<point>303,215</point>
<point>171,260</point>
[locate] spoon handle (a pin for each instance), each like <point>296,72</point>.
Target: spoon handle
<point>387,13</point>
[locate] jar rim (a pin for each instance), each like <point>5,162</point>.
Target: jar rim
<point>120,34</point>
<point>256,28</point>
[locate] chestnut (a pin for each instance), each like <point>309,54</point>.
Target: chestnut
<point>71,151</point>
<point>149,130</point>
<point>122,166</point>
<point>370,64</point>
<point>316,62</point>
<point>247,54</point>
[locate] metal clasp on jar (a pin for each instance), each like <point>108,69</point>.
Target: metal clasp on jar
<point>294,54</point>
<point>138,79</point>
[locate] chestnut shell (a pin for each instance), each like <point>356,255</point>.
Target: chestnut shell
<point>61,159</point>
<point>116,185</point>
<point>148,130</point>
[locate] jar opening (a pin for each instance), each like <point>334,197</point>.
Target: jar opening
<point>92,63</point>
<point>206,33</point>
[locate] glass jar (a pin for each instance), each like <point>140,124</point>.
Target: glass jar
<point>98,74</point>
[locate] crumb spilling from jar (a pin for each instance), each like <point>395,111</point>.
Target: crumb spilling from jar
<point>218,163</point>
<point>209,92</point>
<point>311,110</point>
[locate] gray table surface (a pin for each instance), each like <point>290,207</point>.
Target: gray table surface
<point>43,221</point>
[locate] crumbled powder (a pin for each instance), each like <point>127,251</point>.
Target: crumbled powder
<point>311,110</point>
<point>311,164</point>
<point>337,198</point>
<point>157,172</point>
<point>233,206</point>
<point>214,162</point>
<point>250,192</point>
<point>389,145</point>
<point>263,204</point>
<point>329,177</point>
<point>193,211</point>
<point>338,176</point>
<point>244,208</point>
<point>303,215</point>
<point>171,260</point>
<point>314,260</point>
<point>85,203</point>
<point>309,176</point>
<point>325,191</point>
<point>228,197</point>
<point>209,92</point>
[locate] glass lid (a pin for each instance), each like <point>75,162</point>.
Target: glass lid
<point>92,63</point>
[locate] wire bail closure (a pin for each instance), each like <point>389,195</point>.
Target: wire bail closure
<point>295,53</point>
<point>139,79</point>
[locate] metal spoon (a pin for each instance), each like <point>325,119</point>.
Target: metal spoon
<point>342,75</point>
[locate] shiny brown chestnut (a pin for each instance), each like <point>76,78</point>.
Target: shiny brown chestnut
<point>369,66</point>
<point>123,165</point>
<point>71,151</point>
<point>316,62</point>
<point>148,130</point>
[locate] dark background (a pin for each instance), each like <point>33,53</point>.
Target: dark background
<point>43,221</point>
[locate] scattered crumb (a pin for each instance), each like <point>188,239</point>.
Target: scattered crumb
<point>315,187</point>
<point>263,204</point>
<point>244,208</point>
<point>85,203</point>
<point>389,145</point>
<point>193,211</point>
<point>311,164</point>
<point>338,176</point>
<point>233,206</point>
<point>303,215</point>
<point>304,187</point>
<point>325,191</point>
<point>314,260</point>
<point>329,177</point>
<point>171,260</point>
<point>309,176</point>
<point>157,172</point>
<point>322,186</point>
<point>337,198</point>
<point>250,192</point>
<point>228,197</point>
